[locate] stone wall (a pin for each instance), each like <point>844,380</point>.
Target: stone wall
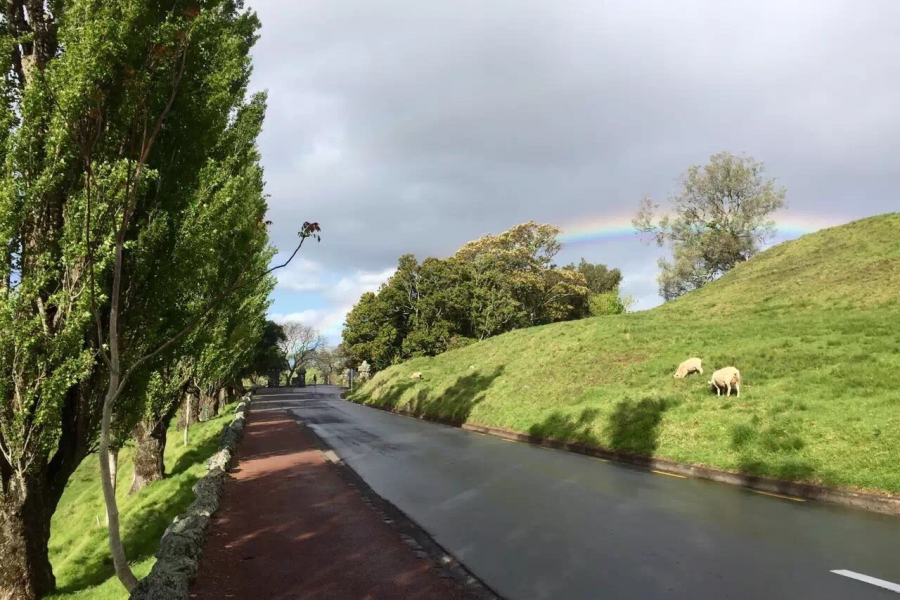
<point>178,556</point>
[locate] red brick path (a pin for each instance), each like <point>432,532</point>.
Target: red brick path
<point>289,527</point>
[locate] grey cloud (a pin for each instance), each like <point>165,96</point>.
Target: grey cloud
<point>414,127</point>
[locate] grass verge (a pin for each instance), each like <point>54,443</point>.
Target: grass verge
<point>78,542</point>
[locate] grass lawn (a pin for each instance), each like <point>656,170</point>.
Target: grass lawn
<point>78,544</point>
<point>813,325</point>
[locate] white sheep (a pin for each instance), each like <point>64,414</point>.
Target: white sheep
<point>689,366</point>
<point>416,375</point>
<point>726,378</point>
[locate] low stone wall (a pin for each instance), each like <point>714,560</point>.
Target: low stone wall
<point>178,556</point>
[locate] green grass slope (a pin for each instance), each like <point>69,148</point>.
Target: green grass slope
<point>78,543</point>
<point>812,324</point>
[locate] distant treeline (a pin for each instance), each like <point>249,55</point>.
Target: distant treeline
<point>490,286</point>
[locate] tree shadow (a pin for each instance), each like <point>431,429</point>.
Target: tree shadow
<point>145,519</point>
<point>197,453</point>
<point>568,427</point>
<point>778,445</point>
<point>635,425</point>
<point>455,403</point>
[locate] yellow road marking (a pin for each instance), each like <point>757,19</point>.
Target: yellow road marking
<point>778,496</point>
<point>668,474</point>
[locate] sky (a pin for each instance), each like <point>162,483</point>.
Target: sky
<point>413,127</point>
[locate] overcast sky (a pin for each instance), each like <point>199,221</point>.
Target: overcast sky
<point>415,127</point>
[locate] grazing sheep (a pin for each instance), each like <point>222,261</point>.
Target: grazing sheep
<point>416,375</point>
<point>691,365</point>
<point>726,378</point>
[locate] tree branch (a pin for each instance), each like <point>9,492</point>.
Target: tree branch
<point>308,229</point>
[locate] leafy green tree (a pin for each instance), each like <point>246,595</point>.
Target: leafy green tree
<point>267,354</point>
<point>492,285</point>
<point>720,217</point>
<point>495,308</point>
<point>130,210</point>
<point>372,333</point>
<point>524,256</point>
<point>598,278</point>
<point>609,303</point>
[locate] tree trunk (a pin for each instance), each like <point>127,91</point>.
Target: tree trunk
<point>149,455</point>
<point>120,562</point>
<point>113,472</point>
<point>25,571</point>
<point>188,413</point>
<point>209,404</point>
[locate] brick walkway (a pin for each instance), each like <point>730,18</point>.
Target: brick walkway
<point>290,527</point>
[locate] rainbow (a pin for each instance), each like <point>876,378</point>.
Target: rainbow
<point>597,230</point>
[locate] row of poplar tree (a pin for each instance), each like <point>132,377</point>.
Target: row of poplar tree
<point>134,252</point>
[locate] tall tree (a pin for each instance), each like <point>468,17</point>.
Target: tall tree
<point>113,116</point>
<point>720,217</point>
<point>492,285</point>
<point>266,353</point>
<point>299,345</point>
<point>373,332</point>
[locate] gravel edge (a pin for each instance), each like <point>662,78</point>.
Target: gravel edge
<point>181,546</point>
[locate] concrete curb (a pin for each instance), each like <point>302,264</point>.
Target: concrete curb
<point>808,491</point>
<point>178,556</point>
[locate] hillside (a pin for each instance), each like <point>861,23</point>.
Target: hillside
<point>813,325</point>
<point>79,548</point>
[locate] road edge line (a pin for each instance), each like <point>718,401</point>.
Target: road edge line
<point>885,585</point>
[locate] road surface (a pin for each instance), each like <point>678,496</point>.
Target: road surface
<point>535,523</point>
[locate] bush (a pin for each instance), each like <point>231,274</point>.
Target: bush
<point>609,303</point>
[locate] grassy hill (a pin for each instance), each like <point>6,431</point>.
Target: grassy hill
<point>812,324</point>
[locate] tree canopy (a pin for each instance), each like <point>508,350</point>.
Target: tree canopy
<point>299,345</point>
<point>491,285</point>
<point>721,216</point>
<point>134,251</point>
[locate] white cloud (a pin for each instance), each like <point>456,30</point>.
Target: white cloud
<point>302,275</point>
<point>349,289</point>
<point>340,299</point>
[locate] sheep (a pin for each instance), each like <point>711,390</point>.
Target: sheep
<point>416,375</point>
<point>725,378</point>
<point>689,366</point>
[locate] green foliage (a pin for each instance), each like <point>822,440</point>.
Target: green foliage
<point>609,303</point>
<point>599,279</point>
<point>812,324</point>
<point>722,215</point>
<point>492,285</point>
<point>125,127</point>
<point>267,354</point>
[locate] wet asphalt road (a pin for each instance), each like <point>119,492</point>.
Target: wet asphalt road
<point>535,523</point>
